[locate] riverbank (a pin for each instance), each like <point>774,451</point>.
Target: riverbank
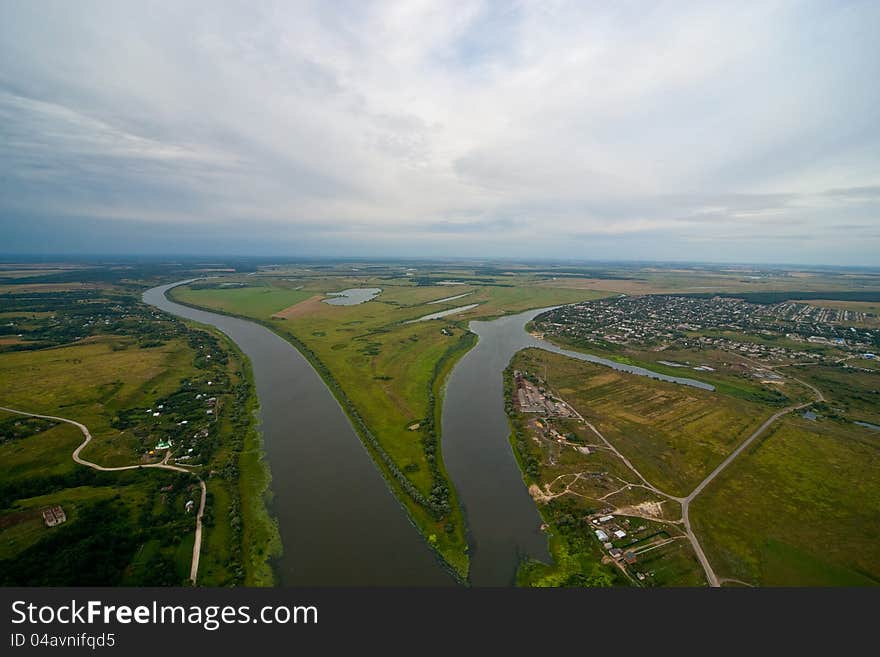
<point>260,538</point>
<point>400,562</point>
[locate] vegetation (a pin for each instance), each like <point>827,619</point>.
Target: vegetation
<point>405,365</point>
<point>799,507</point>
<point>137,378</point>
<point>578,478</point>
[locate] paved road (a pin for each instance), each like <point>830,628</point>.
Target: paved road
<point>197,545</point>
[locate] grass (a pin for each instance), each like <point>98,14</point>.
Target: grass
<point>257,301</point>
<point>852,394</point>
<point>96,380</point>
<point>732,376</point>
<point>89,382</point>
<point>799,507</point>
<point>674,434</point>
<point>48,452</point>
<point>19,536</point>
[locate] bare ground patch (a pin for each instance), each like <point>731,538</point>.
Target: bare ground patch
<point>300,309</point>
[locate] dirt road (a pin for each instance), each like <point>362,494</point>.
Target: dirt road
<point>197,545</point>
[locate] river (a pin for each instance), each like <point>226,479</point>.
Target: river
<point>503,520</point>
<point>339,523</point>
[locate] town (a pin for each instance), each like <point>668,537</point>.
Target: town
<point>777,332</point>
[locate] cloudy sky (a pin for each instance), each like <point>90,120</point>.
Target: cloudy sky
<point>737,131</point>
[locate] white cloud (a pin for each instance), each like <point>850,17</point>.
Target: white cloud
<point>431,120</point>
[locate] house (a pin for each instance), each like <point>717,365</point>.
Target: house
<point>606,518</point>
<point>620,533</point>
<point>54,516</point>
<point>615,553</point>
<point>601,535</point>
<point>630,557</point>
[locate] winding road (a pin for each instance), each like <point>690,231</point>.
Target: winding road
<point>197,544</point>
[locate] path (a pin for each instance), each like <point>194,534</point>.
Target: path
<point>197,545</point>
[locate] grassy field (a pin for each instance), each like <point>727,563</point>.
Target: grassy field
<point>868,307</point>
<point>257,301</point>
<point>733,375</point>
<point>850,393</point>
<point>391,371</point>
<point>91,381</point>
<point>569,485</point>
<point>799,507</point>
<point>674,434</point>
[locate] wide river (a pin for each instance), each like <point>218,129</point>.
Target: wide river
<point>339,523</point>
<point>502,518</point>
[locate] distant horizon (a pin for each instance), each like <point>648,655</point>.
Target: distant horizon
<point>268,259</point>
<point>663,132</point>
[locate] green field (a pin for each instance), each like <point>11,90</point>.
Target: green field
<point>674,434</point>
<point>799,507</point>
<point>258,301</point>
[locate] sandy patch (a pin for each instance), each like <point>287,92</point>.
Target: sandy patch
<point>300,309</point>
<point>652,509</point>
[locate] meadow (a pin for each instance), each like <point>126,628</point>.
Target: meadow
<point>674,434</point>
<point>798,508</point>
<point>254,301</point>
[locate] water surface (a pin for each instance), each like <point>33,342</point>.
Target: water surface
<point>339,523</point>
<point>353,296</point>
<point>443,313</point>
<point>503,520</point>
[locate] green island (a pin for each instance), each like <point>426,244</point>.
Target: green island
<point>387,370</point>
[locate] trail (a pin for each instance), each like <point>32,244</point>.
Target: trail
<point>197,545</point>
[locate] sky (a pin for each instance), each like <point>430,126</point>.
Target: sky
<point>731,132</point>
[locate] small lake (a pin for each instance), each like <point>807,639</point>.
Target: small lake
<point>503,521</point>
<point>443,313</point>
<point>352,297</point>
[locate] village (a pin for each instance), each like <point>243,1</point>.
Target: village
<point>773,333</point>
